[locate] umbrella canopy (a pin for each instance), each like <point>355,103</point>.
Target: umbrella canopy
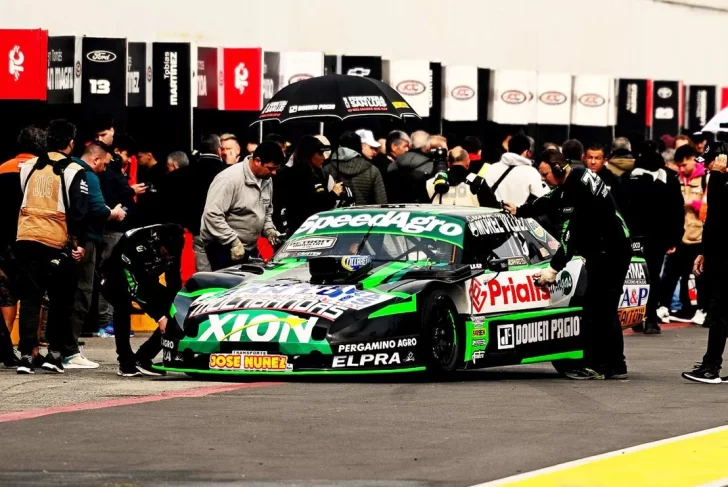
<point>335,96</point>
<point>714,125</point>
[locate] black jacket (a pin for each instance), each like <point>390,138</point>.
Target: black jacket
<point>652,205</point>
<point>150,204</point>
<point>302,191</point>
<point>407,176</point>
<point>360,175</point>
<point>116,190</point>
<point>11,197</point>
<point>199,178</point>
<point>592,223</point>
<point>716,220</point>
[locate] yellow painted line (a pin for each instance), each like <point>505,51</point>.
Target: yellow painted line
<point>694,460</point>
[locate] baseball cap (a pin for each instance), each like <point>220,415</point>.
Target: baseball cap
<point>367,137</point>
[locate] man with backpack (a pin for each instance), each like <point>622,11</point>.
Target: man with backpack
<point>514,179</point>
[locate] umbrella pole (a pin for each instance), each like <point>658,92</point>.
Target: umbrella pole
<point>321,128</point>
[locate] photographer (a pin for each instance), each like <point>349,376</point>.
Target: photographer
<point>51,235</point>
<point>458,186</point>
<point>712,265</point>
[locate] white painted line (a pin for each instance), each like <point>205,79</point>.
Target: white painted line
<point>717,483</point>
<point>603,456</point>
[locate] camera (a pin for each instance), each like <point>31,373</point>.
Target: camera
<point>438,155</point>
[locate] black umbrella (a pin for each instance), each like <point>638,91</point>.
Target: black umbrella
<point>335,96</point>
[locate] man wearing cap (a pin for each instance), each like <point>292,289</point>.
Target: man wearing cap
<point>239,208</point>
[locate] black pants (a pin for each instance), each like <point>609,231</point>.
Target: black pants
<point>654,257</point>
<point>122,326</point>
<point>679,266</point>
<point>717,311</point>
<point>43,270</point>
<point>6,344</point>
<point>603,339</point>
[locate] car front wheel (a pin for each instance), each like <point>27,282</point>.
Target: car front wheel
<point>442,341</point>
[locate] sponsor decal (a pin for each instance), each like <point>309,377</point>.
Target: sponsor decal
<point>479,332</point>
<point>59,77</point>
<point>664,92</point>
<point>167,344</point>
<point>359,71</point>
<point>410,87</point>
<point>552,98</point>
<point>101,56</point>
<point>462,92</point>
<point>400,104</point>
<point>372,103</point>
<point>274,109</point>
<point>507,291</point>
<point>478,321</point>
<point>250,362</point>
<point>225,361</point>
<point>326,301</point>
<point>478,343</point>
<point>410,357</point>
<point>170,74</point>
<point>310,108</point>
<point>495,223</point>
<point>664,113</point>
<point>636,274</point>
<point>563,286</point>
<point>632,97</point>
<point>240,78</point>
<point>513,335</point>
<point>353,263</point>
<point>299,77</point>
<point>478,355</point>
<point>553,244</point>
<point>17,58</point>
<point>78,69</point>
<point>376,346</point>
<point>311,243</point>
<point>367,359</point>
<point>514,97</point>
<point>592,100</point>
<point>634,296</point>
<point>432,226</point>
<point>544,253</point>
<point>632,316</point>
<point>251,327</point>
<point>516,261</point>
<point>537,230</point>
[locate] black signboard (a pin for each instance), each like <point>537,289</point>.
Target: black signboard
<point>331,64</point>
<point>64,70</point>
<point>172,75</point>
<point>632,107</point>
<point>369,66</point>
<point>207,78</point>
<point>701,106</point>
<point>435,118</point>
<point>271,75</point>
<point>136,75</point>
<point>103,74</point>
<point>667,105</point>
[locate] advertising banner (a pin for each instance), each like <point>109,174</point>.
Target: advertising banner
<point>701,106</point>
<point>297,66</point>
<point>668,107</point>
<point>103,75</point>
<point>412,79</point>
<point>241,82</point>
<point>368,66</point>
<point>207,77</point>
<point>512,97</point>
<point>633,114</point>
<point>64,69</point>
<point>25,54</point>
<point>139,74</point>
<point>271,74</point>
<point>460,94</point>
<point>553,99</point>
<point>172,75</point>
<point>590,101</point>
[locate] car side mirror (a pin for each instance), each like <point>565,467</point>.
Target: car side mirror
<point>498,265</point>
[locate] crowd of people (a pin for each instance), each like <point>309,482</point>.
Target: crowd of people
<point>65,208</point>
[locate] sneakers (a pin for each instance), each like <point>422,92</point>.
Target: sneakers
<point>53,364</point>
<point>699,318</point>
<point>664,314</point>
<point>584,374</point>
<point>683,316</point>
<point>618,372</point>
<point>11,362</point>
<point>706,374</point>
<point>146,369</point>
<point>25,365</point>
<point>652,329</point>
<point>78,361</point>
<point>128,371</point>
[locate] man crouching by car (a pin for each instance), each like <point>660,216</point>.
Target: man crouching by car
<point>239,208</point>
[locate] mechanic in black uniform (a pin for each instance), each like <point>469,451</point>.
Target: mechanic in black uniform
<point>132,274</point>
<point>595,230</point>
<point>714,264</point>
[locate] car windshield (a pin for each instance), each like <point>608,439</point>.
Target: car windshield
<point>382,247</point>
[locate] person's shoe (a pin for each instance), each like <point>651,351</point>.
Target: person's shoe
<point>131,334</point>
<point>128,371</point>
<point>109,330</point>
<point>616,372</point>
<point>146,369</point>
<point>584,374</point>
<point>664,314</point>
<point>52,364</point>
<point>652,329</point>
<point>639,328</point>
<point>11,362</point>
<point>706,374</point>
<point>25,366</point>
<point>699,318</point>
<point>78,361</point>
<point>38,360</point>
<point>683,316</point>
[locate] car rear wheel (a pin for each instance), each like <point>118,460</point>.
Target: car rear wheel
<point>442,337</point>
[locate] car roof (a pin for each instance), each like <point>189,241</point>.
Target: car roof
<point>461,212</point>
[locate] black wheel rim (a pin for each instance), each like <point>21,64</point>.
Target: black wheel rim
<point>442,334</point>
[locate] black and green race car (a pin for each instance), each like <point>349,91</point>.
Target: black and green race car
<point>385,289</point>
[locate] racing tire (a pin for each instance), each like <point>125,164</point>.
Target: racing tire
<point>442,337</point>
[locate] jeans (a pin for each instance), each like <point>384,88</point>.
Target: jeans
<point>85,269</point>
<point>106,310</point>
<point>42,270</point>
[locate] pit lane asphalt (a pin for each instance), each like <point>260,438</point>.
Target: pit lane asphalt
<point>399,430</point>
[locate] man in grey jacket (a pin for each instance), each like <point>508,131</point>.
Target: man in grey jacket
<point>239,208</point>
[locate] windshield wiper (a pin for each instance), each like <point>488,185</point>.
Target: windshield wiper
<point>364,240</point>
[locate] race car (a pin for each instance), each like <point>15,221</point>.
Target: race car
<point>386,289</point>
